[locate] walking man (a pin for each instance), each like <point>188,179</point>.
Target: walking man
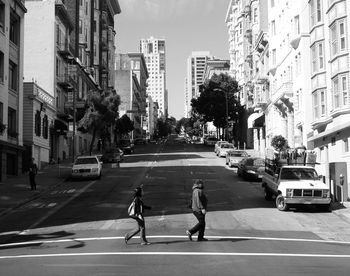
<point>33,170</point>
<point>139,208</point>
<point>199,208</point>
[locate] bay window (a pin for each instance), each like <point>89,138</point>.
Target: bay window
<point>319,103</point>
<point>340,91</point>
<point>338,37</point>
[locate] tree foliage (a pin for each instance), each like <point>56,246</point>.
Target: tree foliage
<point>123,125</point>
<point>279,143</point>
<point>100,116</point>
<point>211,104</point>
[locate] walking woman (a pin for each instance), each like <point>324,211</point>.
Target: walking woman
<point>199,208</point>
<point>139,208</point>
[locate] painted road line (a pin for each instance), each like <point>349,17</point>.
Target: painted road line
<point>150,253</point>
<point>211,238</point>
<point>34,225</point>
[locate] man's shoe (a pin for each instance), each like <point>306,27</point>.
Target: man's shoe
<point>202,239</point>
<point>145,243</point>
<point>189,235</point>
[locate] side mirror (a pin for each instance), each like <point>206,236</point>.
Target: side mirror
<point>276,175</point>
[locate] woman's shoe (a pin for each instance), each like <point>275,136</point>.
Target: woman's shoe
<point>145,243</point>
<point>189,235</point>
<point>126,240</point>
<point>202,239</point>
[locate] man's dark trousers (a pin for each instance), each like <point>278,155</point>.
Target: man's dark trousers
<point>200,226</point>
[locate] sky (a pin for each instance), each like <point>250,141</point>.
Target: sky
<point>186,26</point>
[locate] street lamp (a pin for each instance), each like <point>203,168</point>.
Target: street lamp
<point>226,104</point>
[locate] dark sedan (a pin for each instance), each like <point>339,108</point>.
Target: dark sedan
<point>251,168</point>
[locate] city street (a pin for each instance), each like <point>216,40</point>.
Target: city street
<point>78,228</point>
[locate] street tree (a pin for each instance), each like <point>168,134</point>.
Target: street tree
<point>123,126</point>
<point>99,117</point>
<point>218,101</point>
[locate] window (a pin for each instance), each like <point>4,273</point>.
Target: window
<point>255,14</point>
<point>340,91</point>
<point>80,26</point>
<point>338,37</point>
<point>316,12</point>
<point>319,103</point>
<point>317,56</point>
<point>274,56</point>
<point>346,145</point>
<point>13,76</point>
<point>2,17</point>
<point>1,112</point>
<point>273,27</point>
<point>14,27</point>
<point>11,123</point>
<point>45,127</point>
<point>296,25</point>
<point>37,126</point>
<point>2,67</point>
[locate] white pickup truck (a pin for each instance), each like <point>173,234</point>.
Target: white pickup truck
<point>291,184</point>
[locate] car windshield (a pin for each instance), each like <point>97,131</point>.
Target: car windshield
<point>227,146</point>
<point>238,154</point>
<point>298,174</point>
<point>81,161</point>
<point>255,162</point>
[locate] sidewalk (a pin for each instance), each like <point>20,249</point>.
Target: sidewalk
<point>15,191</point>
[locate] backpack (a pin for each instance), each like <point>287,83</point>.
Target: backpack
<point>132,209</point>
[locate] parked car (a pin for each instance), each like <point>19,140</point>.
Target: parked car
<point>127,146</point>
<point>217,145</point>
<point>87,167</point>
<point>113,155</point>
<point>251,168</point>
<point>140,141</point>
<point>224,148</point>
<point>210,141</point>
<point>233,157</point>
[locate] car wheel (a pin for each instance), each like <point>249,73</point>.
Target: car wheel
<point>281,203</point>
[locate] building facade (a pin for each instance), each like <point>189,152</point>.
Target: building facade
<point>12,14</point>
<point>131,84</point>
<point>196,63</point>
<point>155,55</point>
<point>78,41</point>
<point>39,113</point>
<point>329,120</point>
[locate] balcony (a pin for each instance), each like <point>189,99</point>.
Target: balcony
<point>65,81</point>
<point>64,49</point>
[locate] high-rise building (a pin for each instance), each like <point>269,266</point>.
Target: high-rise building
<point>11,86</point>
<point>155,56</point>
<point>196,63</point>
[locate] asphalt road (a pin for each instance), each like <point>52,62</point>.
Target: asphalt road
<point>79,228</point>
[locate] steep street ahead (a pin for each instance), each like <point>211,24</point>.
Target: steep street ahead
<point>79,228</point>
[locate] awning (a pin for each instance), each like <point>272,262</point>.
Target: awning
<point>252,118</point>
<point>60,126</point>
<point>260,121</point>
<point>331,131</point>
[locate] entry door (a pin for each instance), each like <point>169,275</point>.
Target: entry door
<point>335,170</point>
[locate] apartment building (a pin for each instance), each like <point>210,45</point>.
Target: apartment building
<point>71,57</point>
<point>330,114</point>
<point>196,63</point>
<point>155,55</point>
<point>12,14</point>
<point>131,84</point>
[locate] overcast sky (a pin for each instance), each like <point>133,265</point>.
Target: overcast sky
<point>186,26</point>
